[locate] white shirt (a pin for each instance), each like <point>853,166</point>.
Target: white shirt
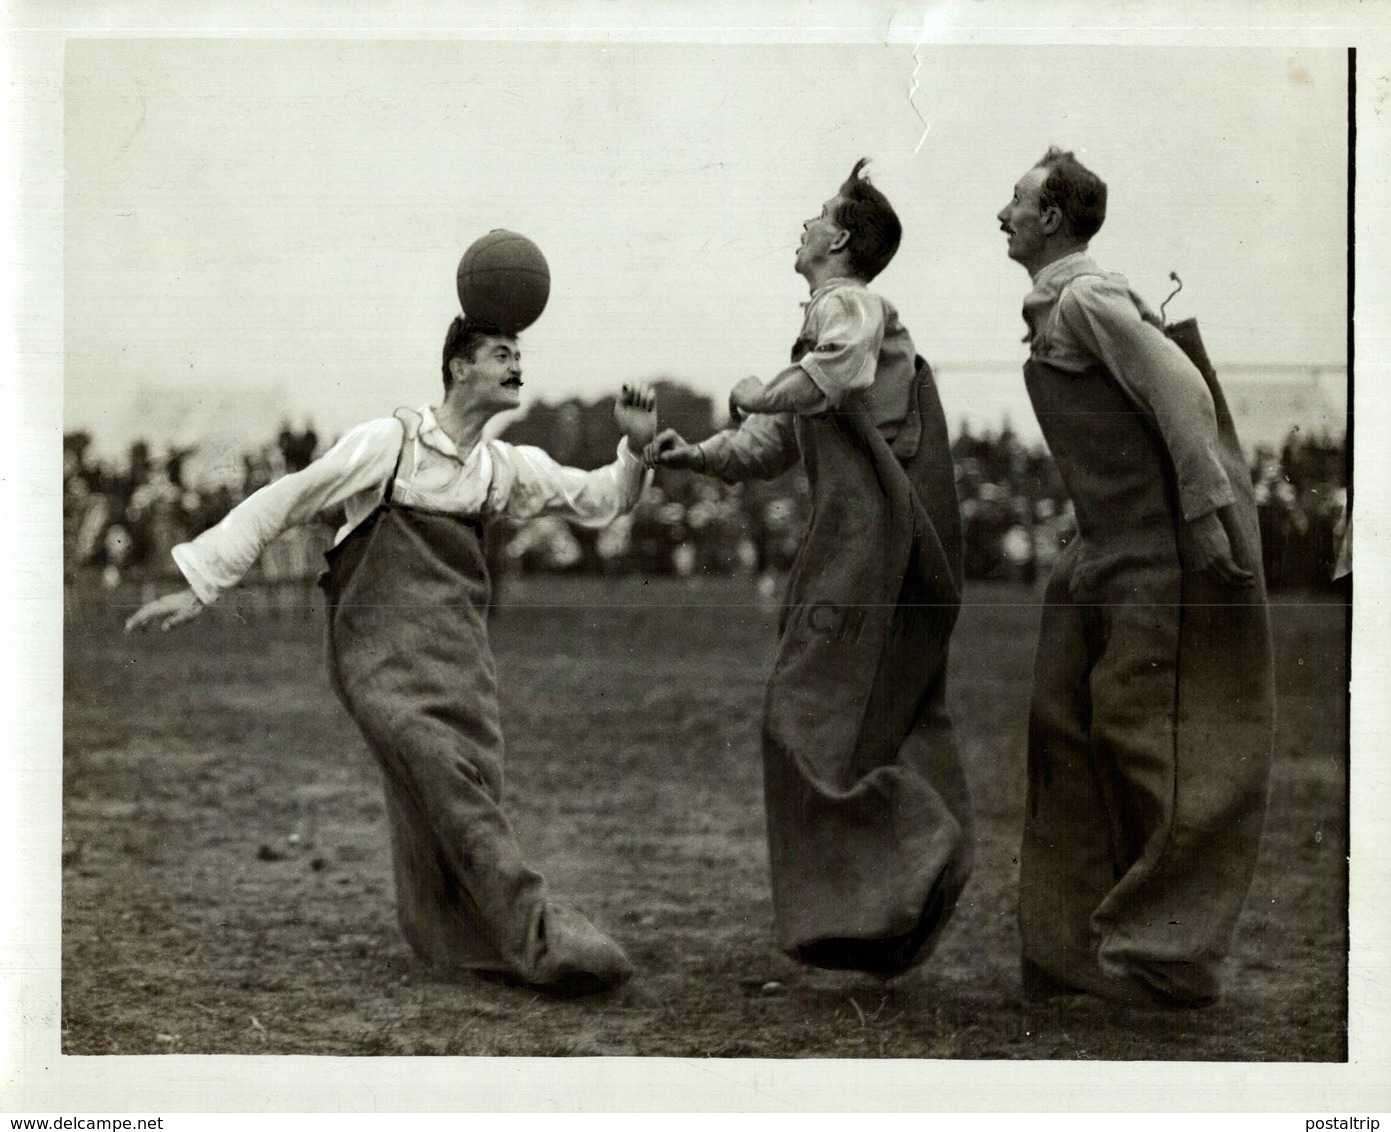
<point>855,343</point>
<point>1079,316</point>
<point>493,479</point>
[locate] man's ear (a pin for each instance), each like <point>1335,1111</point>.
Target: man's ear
<point>842,238</point>
<point>458,367</point>
<point>1050,220</point>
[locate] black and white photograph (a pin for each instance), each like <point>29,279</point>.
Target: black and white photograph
<point>674,551</point>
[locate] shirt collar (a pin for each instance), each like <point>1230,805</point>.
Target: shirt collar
<point>834,284</point>
<point>1050,281</point>
<point>1074,263</point>
<point>433,434</point>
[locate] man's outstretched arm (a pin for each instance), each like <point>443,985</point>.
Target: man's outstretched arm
<point>529,482</point>
<point>761,447</point>
<point>218,558</point>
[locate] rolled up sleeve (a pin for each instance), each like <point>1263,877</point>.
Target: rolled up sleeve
<point>847,325</point>
<point>219,558</point>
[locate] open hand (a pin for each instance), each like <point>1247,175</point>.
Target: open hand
<point>1210,550</point>
<point>670,450</point>
<point>635,412</point>
<point>164,613</point>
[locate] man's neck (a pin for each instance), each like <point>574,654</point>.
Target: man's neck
<point>1061,251</point>
<point>463,422</point>
<point>818,275</point>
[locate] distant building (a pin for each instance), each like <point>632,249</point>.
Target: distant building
<point>1268,401</point>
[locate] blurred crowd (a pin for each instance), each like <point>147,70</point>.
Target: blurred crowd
<point>121,520</point>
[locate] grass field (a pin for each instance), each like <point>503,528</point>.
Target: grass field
<point>227,887</point>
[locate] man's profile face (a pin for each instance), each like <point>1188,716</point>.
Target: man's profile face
<point>821,236</point>
<point>493,378</point>
<point>1022,221</point>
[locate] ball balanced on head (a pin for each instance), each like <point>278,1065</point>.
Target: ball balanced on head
<point>504,280</point>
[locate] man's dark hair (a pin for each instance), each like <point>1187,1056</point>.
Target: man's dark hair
<point>870,219</point>
<point>462,342</point>
<point>1074,190</point>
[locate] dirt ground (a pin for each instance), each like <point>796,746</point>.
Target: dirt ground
<point>227,889</point>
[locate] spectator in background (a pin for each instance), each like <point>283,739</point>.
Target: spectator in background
<point>1301,529</point>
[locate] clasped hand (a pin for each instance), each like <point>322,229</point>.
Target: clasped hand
<point>670,450</point>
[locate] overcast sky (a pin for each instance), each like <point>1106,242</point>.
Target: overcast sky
<point>258,227</point>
